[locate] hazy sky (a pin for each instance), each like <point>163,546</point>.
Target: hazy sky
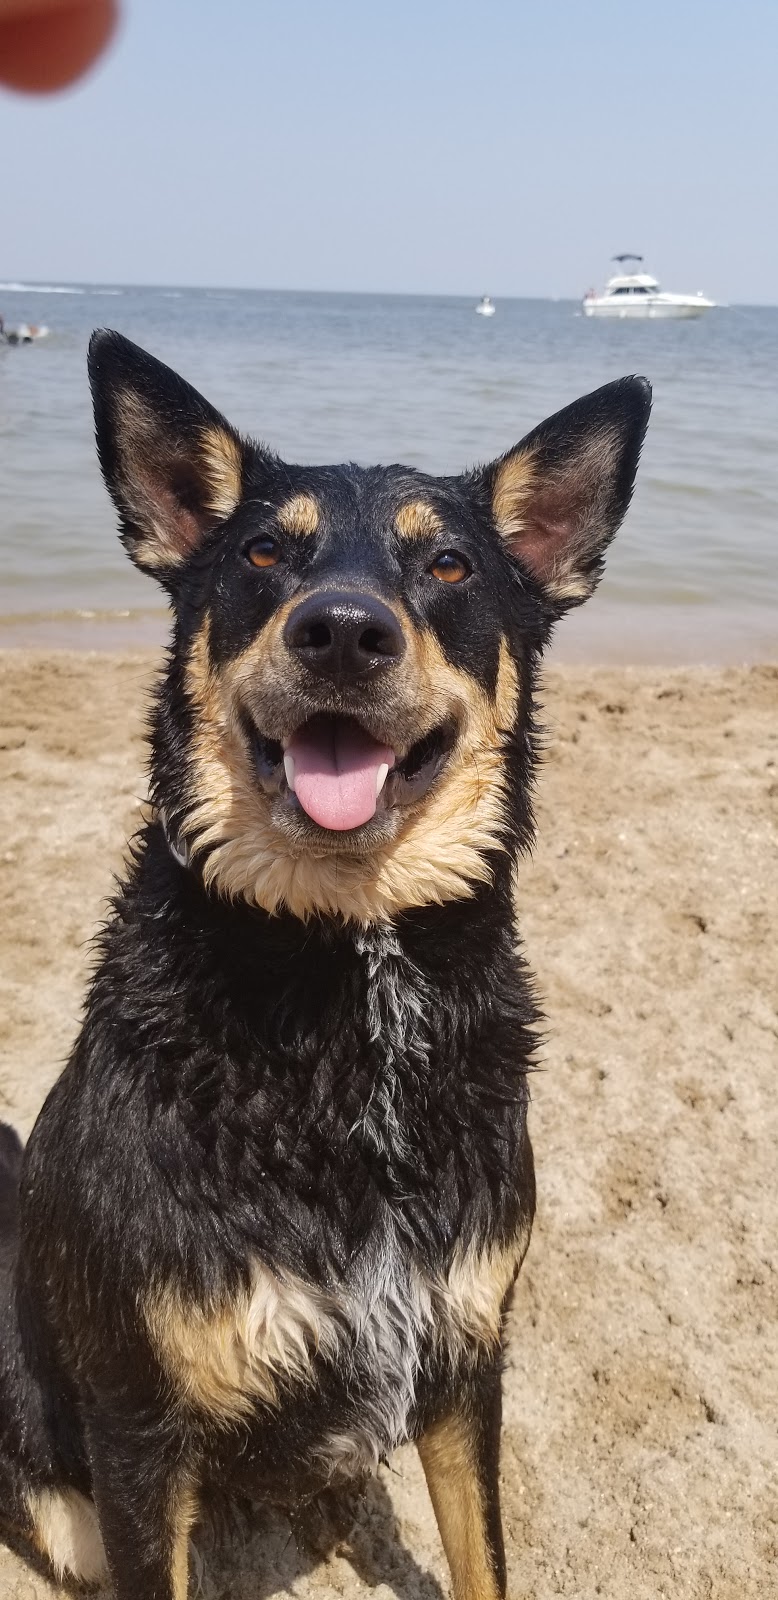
<point>508,147</point>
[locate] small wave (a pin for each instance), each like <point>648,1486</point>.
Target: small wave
<point>38,288</point>
<point>134,614</point>
<point>106,291</point>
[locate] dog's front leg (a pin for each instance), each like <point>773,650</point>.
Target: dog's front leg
<point>460,1454</point>
<point>145,1490</point>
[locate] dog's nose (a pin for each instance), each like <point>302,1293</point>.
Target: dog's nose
<point>344,636</point>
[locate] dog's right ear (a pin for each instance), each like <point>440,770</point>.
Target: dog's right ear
<point>173,466</point>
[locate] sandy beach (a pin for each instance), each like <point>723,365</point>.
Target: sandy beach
<point>639,1453</point>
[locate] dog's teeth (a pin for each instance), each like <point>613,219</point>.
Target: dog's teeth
<point>289,770</point>
<point>380,778</point>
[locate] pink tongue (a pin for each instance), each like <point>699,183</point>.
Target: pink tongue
<point>336,771</point>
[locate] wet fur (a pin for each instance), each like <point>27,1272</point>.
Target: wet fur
<point>269,1218</point>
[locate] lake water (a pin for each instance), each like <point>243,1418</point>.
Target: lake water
<point>693,574</point>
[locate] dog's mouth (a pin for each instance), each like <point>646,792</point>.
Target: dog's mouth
<point>340,775</point>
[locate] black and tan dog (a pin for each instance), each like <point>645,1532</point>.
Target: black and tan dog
<point>269,1217</point>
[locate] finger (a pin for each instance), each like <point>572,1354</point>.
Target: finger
<point>45,46</point>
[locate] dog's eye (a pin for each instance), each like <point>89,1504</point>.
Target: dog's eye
<point>450,567</point>
<point>264,552</point>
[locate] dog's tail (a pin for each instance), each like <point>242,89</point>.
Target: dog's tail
<point>10,1169</point>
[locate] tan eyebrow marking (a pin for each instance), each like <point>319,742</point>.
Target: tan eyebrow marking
<point>418,520</point>
<point>299,515</point>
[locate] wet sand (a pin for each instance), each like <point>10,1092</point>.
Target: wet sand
<point>614,631</point>
<point>639,1454</point>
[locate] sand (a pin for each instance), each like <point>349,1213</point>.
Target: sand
<point>640,1453</point>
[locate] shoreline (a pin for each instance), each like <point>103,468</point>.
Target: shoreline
<point>603,633</point>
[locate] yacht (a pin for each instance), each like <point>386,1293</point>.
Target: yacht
<point>486,307</point>
<point>634,293</point>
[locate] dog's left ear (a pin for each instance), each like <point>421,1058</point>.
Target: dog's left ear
<point>173,466</point>
<point>559,496</point>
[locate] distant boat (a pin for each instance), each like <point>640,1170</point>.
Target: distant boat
<point>486,307</point>
<point>637,294</point>
<point>24,334</point>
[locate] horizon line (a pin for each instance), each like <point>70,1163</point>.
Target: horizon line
<point>12,285</point>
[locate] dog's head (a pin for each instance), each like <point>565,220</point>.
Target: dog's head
<point>345,724</point>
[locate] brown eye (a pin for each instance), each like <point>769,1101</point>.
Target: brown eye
<point>450,567</point>
<point>264,552</point>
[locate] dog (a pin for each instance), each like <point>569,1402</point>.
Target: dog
<point>269,1220</point>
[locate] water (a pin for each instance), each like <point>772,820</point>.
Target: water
<point>693,573</point>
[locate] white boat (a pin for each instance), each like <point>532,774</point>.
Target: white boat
<point>486,307</point>
<point>637,294</point>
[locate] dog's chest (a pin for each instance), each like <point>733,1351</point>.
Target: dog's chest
<point>355,1347</point>
<point>367,1344</point>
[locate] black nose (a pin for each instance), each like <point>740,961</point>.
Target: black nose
<point>344,636</point>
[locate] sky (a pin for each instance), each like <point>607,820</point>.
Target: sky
<point>507,147</point>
